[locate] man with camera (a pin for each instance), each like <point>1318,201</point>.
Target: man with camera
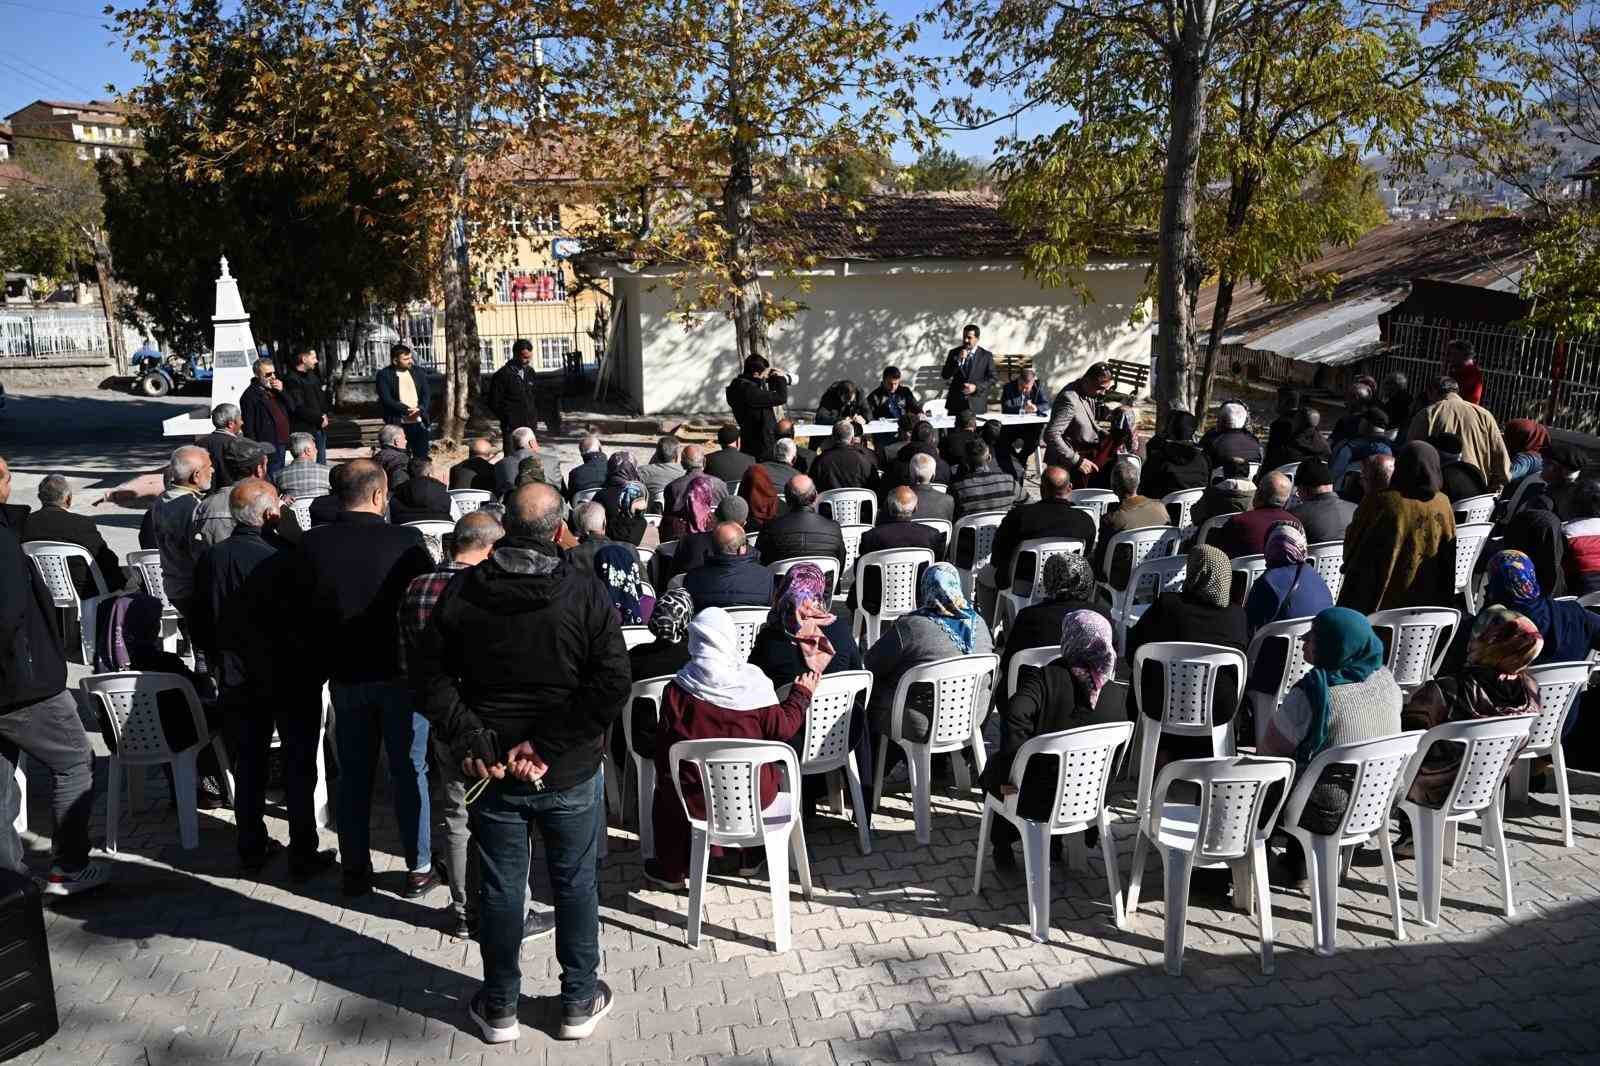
<point>754,397</point>
<point>521,669</point>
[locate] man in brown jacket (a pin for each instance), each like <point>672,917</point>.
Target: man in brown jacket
<point>1481,442</point>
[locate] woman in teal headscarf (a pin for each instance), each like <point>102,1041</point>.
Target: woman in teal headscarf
<point>1347,696</point>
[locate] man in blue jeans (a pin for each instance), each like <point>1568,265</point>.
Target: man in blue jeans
<point>521,670</point>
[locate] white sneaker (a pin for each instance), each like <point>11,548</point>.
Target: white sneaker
<point>62,883</point>
<point>494,1030</point>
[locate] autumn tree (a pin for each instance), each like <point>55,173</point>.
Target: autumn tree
<point>1168,102</point>
<point>942,169</point>
<point>702,111</point>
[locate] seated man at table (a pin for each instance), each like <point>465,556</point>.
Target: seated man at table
<point>1024,396</point>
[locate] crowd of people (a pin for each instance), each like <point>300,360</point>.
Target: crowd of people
<point>506,655</point>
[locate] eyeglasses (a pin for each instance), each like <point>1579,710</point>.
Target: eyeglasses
<point>268,374</point>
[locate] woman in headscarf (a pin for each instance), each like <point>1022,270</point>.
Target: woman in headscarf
<point>1493,683</point>
<point>1580,537</point>
<point>662,657</point>
<point>625,498</point>
<point>757,490</point>
<point>1347,696</point>
<point>1069,586</point>
<point>617,567</point>
<point>802,598</point>
<point>1400,549</point>
<point>718,695</point>
<point>1201,612</point>
<point>1291,587</point>
<point>1305,441</point>
<point>1060,695</point>
<point>1526,441</point>
<point>1536,532</point>
<point>696,510</point>
<point>943,625</point>
<point>1569,629</point>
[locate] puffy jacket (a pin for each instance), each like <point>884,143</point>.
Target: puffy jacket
<point>1171,465</point>
<point>729,581</point>
<point>800,533</point>
<point>1583,555</point>
<point>32,664</point>
<point>530,647</point>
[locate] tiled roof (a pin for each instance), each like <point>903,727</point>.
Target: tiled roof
<point>952,225</point>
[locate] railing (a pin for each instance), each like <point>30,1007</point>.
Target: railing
<point>36,335</point>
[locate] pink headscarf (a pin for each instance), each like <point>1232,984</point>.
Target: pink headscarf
<point>700,501</point>
<point>1087,650</point>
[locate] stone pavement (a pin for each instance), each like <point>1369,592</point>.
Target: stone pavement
<point>894,960</point>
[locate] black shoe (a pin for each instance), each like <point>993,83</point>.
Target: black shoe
<point>210,796</point>
<point>419,885</point>
<point>253,864</point>
<point>1005,860</point>
<point>356,882</point>
<point>460,928</point>
<point>538,925</point>
<point>579,1022</point>
<point>656,878</point>
<point>495,1029</point>
<point>303,868</point>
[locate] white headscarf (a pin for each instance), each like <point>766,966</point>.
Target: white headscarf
<point>1232,416</point>
<point>716,672</point>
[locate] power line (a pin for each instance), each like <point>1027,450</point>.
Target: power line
<point>63,82</point>
<point>48,88</point>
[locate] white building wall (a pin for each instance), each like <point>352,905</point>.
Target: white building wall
<point>861,317</point>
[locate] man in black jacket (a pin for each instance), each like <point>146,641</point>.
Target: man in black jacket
<point>172,519</point>
<point>1173,461</point>
<point>513,392</point>
<point>803,456</point>
<point>931,502</point>
<point>349,578</point>
<point>753,397</point>
<point>802,531</point>
<point>730,575</point>
<point>781,467</point>
<point>39,718</point>
<point>844,465</point>
<point>266,418</point>
<point>924,441</point>
<point>303,396</point>
<point>241,625</point>
<point>423,498</point>
<point>55,521</point>
<point>476,471</point>
<point>404,399</point>
<point>900,529</point>
<point>591,473</point>
<point>1052,516</point>
<point>521,670</point>
<point>228,424</point>
<point>970,371</point>
<point>954,448</point>
<point>729,462</point>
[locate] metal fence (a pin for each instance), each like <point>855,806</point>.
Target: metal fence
<point>1526,373</point>
<point>38,334</point>
<point>418,329</point>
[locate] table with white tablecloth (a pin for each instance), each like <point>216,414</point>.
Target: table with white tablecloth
<point>889,425</point>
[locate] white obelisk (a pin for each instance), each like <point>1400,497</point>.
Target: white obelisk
<point>233,348</point>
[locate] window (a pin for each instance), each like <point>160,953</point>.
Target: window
<point>545,221</point>
<point>531,286</point>
<point>551,349</point>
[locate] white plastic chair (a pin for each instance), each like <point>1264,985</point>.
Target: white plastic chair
<point>1328,557</point>
<point>465,501</point>
<point>1420,637</point>
<point>939,525</point>
<point>898,570</point>
<point>1515,503</point>
<point>50,559</point>
<point>1290,632</point>
<point>747,622</point>
<point>644,768</point>
<point>1157,574</point>
<point>825,742</point>
<point>973,541</point>
<point>1252,567</point>
<point>1475,509</point>
<point>1378,770</point>
<point>20,822</point>
<point>750,540</point>
<point>1027,573</point>
<point>1026,659</point>
<point>1085,761</point>
<point>321,804</point>
<point>1561,685</point>
<point>584,496</point>
<point>1255,468</point>
<point>645,555</point>
<point>730,776</point>
<point>828,564</point>
<point>146,563</point>
<point>961,689</point>
<point>1093,502</point>
<point>1189,673</point>
<point>1141,543</point>
<point>433,532</point>
<point>852,549</point>
<point>1489,747</point>
<point>939,486</point>
<point>1470,542</point>
<point>1226,828</point>
<point>633,636</point>
<point>1288,470</point>
<point>302,510</point>
<point>848,507</point>
<point>1211,525</point>
<point>131,720</point>
<point>1180,503</point>
<point>653,518</point>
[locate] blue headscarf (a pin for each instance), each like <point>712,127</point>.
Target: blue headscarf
<point>1347,650</point>
<point>941,600</point>
<point>615,566</point>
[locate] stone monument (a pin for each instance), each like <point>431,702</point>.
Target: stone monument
<point>233,350</point>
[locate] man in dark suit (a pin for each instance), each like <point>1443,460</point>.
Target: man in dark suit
<point>802,531</point>
<point>754,397</point>
<point>844,465</point>
<point>266,416</point>
<point>931,503</point>
<point>970,371</point>
<point>900,529</point>
<point>303,396</point>
<point>476,471</point>
<point>229,424</point>
<point>954,447</point>
<point>513,395</point>
<point>55,521</point>
<point>404,399</point>
<point>729,462</point>
<point>1052,516</point>
<point>924,441</point>
<point>730,576</point>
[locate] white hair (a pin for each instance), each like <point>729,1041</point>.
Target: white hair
<point>522,438</point>
<point>186,462</point>
<point>785,450</point>
<point>300,443</point>
<point>253,512</point>
<point>392,437</point>
<point>899,509</point>
<point>590,517</point>
<point>1232,416</point>
<point>224,413</point>
<point>922,469</point>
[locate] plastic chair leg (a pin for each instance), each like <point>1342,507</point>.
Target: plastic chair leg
<point>1427,831</point>
<point>699,853</point>
<point>1176,865</point>
<point>185,780</point>
<point>113,802</point>
<point>1450,855</point>
<point>1244,896</point>
<point>921,764</point>
<point>958,769</point>
<point>1222,740</point>
<point>877,777</point>
<point>1518,780</point>
<point>852,774</point>
<point>1322,855</point>
<point>984,821</point>
<point>802,857</point>
<point>20,823</point>
<point>1141,845</point>
<point>609,775</point>
<point>1036,861</point>
<point>1147,765</point>
<point>1263,900</point>
<point>778,876</point>
<point>980,754</point>
<point>221,751</point>
<point>1108,851</point>
<point>1494,832</point>
<point>1386,847</point>
<point>1558,766</point>
<point>321,804</point>
<point>835,781</point>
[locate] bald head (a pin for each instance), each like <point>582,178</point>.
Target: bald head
<point>902,503</point>
<point>363,487</point>
<point>481,448</point>
<point>1055,484</point>
<point>1376,473</point>
<point>533,511</point>
<point>729,538</point>
<point>801,493</point>
<point>476,533</point>
<point>1273,490</point>
<point>252,501</point>
<point>693,457</point>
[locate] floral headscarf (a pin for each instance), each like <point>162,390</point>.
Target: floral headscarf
<point>1069,577</point>
<point>1087,650</point>
<point>1208,576</point>
<point>1504,641</point>
<point>1513,580</point>
<point>699,504</point>
<point>621,468</point>
<point>804,583</point>
<point>940,599</point>
<point>615,566</point>
<point>1286,545</point>
<point>670,619</point>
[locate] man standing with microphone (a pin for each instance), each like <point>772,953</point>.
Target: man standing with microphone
<point>970,371</point>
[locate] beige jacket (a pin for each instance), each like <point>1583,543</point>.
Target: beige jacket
<point>1072,431</point>
<point>1481,442</point>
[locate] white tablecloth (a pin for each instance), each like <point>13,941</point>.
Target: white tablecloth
<point>889,425</point>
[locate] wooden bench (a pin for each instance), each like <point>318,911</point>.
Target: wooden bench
<point>1128,379</point>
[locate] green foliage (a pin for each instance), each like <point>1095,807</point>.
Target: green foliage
<point>1564,280</point>
<point>940,169</point>
<point>51,223</point>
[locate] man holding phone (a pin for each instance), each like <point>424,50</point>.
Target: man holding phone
<point>521,670</point>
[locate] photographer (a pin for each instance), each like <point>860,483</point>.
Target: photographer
<point>754,398</point>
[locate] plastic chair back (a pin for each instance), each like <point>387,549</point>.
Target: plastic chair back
<point>1027,566</point>
<point>465,501</point>
<point>147,564</point>
<point>1189,673</point>
<point>302,510</point>
<point>899,570</point>
<point>584,496</point>
<point>1288,470</point>
<point>1141,544</point>
<point>1379,768</point>
<point>1470,540</point>
<point>848,507</point>
<point>961,688</point>
<point>1328,557</point>
<point>1180,503</point>
<point>131,719</point>
<point>939,486</point>
<point>1087,757</point>
<point>1247,570</point>
<point>651,689</point>
<point>1233,795</point>
<point>633,636</point>
<point>1295,666</point>
<point>972,543</point>
<point>852,547</point>
<point>50,559</point>
<point>1217,474</point>
<point>1421,636</point>
<point>730,777</point>
<point>1490,745</point>
<point>433,533</point>
<point>828,564</point>
<point>1475,510</point>
<point>1028,659</point>
<point>1211,525</point>
<point>1157,574</point>
<point>1561,685</point>
<point>825,742</point>
<point>1093,502</point>
<point>1520,494</point>
<point>939,525</point>
<point>747,622</point>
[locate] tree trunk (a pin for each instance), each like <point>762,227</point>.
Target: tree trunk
<point>738,200</point>
<point>1174,262</point>
<point>102,277</point>
<point>461,348</point>
<point>1219,323</point>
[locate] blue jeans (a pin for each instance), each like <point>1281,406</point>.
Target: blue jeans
<point>321,437</point>
<point>364,713</point>
<point>569,821</point>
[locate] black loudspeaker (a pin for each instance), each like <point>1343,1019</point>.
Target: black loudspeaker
<point>27,993</point>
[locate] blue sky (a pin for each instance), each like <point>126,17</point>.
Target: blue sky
<point>61,49</point>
